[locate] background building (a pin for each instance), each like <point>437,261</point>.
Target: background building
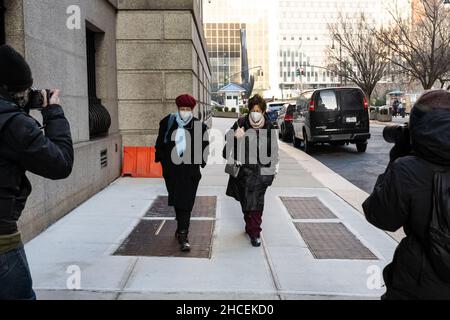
<point>223,20</point>
<point>119,73</point>
<point>303,37</point>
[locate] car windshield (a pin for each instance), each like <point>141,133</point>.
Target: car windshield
<point>290,110</point>
<point>327,101</point>
<point>352,100</point>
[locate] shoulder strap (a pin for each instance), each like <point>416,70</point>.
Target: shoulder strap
<point>169,126</point>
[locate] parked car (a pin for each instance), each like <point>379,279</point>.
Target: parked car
<point>273,109</point>
<point>337,116</point>
<point>284,121</point>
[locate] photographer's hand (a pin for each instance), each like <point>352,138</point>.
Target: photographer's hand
<point>54,98</point>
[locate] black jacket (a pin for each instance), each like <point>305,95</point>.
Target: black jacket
<point>182,177</point>
<point>403,198</point>
<point>24,147</point>
<point>256,173</point>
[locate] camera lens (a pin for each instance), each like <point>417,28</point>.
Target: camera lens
<point>391,133</point>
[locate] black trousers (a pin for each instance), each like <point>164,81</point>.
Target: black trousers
<point>183,219</point>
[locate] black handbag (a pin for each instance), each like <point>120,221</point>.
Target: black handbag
<point>233,169</point>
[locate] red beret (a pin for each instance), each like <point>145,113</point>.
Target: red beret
<point>186,100</point>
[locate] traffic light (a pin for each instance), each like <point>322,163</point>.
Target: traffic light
<point>300,72</point>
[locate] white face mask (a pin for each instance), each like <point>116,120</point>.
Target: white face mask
<point>186,115</point>
<point>256,116</point>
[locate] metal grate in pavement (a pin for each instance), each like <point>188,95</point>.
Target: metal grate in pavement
<point>205,207</point>
<point>307,208</point>
<point>156,238</point>
<point>333,241</point>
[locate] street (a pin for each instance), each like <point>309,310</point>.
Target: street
<point>361,169</point>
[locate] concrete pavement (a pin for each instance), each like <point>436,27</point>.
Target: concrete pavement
<point>284,268</point>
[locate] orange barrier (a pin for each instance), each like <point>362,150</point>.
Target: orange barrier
<point>139,162</point>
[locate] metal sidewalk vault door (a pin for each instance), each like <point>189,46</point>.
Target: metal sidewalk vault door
<point>333,241</point>
<point>307,208</point>
<point>154,236</point>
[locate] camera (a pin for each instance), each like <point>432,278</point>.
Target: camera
<point>36,99</point>
<point>395,133</point>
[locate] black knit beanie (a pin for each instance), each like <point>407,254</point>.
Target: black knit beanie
<point>15,73</point>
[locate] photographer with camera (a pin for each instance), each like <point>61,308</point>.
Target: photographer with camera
<point>414,193</point>
<point>24,147</point>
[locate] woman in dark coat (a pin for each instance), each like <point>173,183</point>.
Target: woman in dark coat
<point>180,148</point>
<point>403,197</point>
<point>252,142</point>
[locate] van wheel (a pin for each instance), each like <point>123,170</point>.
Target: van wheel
<point>307,145</point>
<point>361,147</point>
<point>297,142</point>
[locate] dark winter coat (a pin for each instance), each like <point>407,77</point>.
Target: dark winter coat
<point>24,147</point>
<point>182,177</point>
<point>403,198</point>
<point>256,173</point>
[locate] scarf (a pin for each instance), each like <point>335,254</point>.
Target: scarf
<point>180,138</point>
<point>257,125</point>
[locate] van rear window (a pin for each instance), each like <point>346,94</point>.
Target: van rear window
<point>327,101</point>
<point>352,100</point>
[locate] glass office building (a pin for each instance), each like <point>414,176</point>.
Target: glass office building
<point>224,46</point>
<point>223,20</point>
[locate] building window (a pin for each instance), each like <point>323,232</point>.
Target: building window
<point>99,117</point>
<point>2,24</point>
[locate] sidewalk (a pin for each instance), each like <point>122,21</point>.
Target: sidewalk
<point>395,121</point>
<point>284,268</point>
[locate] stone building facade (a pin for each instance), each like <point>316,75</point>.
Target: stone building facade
<point>119,71</point>
<point>161,53</point>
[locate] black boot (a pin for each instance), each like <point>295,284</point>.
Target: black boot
<point>183,240</point>
<point>256,241</point>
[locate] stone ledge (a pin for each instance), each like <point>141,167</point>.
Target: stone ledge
<point>156,5</point>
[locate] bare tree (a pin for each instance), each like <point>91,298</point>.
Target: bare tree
<point>420,44</point>
<point>357,54</point>
<point>445,80</point>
